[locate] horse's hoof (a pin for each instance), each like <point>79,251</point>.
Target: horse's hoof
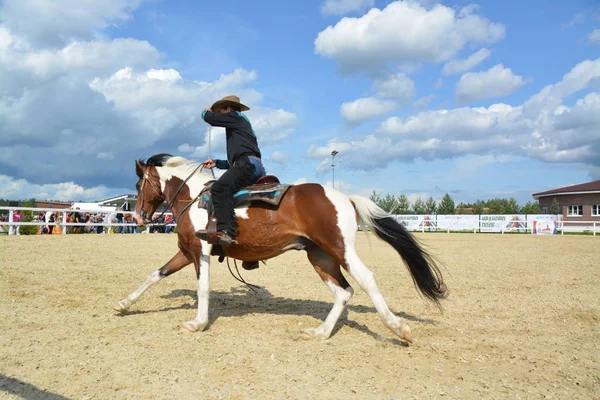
<point>120,307</point>
<point>192,326</point>
<point>405,333</point>
<point>189,327</point>
<point>312,333</point>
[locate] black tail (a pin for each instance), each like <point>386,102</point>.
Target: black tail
<point>425,273</point>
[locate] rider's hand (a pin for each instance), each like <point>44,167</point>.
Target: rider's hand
<point>210,164</point>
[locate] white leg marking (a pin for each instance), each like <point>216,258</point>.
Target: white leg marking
<point>201,320</point>
<point>342,296</point>
<point>124,305</point>
<point>363,276</point>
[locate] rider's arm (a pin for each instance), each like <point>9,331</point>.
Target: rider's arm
<point>222,164</point>
<point>227,120</point>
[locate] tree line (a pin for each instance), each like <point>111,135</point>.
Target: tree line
<point>401,205</point>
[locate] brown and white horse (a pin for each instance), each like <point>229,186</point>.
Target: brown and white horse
<point>311,217</point>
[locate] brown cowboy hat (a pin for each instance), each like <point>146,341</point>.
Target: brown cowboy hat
<point>233,101</point>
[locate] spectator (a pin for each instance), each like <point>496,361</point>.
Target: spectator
<point>120,220</point>
<point>14,229</point>
<point>50,219</point>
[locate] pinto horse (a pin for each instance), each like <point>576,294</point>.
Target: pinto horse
<point>311,217</point>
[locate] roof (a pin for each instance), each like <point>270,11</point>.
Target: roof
<point>582,188</point>
<point>117,198</point>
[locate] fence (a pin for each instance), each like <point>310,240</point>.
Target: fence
<point>516,223</point>
<point>505,223</point>
<point>108,220</point>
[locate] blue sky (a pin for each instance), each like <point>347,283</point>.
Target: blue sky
<point>419,97</point>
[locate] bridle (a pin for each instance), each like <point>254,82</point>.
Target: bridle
<point>145,179</point>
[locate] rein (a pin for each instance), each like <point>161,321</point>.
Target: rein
<point>153,220</point>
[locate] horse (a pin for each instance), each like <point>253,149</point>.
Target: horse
<point>311,217</point>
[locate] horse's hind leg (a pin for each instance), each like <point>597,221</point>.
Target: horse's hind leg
<point>329,271</point>
<point>366,280</point>
<point>178,261</point>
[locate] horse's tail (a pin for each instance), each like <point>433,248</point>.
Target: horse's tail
<point>425,273</point>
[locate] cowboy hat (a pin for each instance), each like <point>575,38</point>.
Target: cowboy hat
<point>233,101</point>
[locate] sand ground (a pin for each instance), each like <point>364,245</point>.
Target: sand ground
<point>522,321</point>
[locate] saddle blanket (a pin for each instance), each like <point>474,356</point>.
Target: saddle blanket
<point>270,193</point>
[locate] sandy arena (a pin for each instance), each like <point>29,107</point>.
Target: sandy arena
<point>522,321</point>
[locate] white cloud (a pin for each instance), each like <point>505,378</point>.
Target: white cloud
<point>56,22</point>
<point>460,66</point>
<point>366,108</point>
<point>278,157</point>
<point>342,7</point>
<point>594,37</point>
<point>300,181</point>
<point>397,86</point>
<point>542,128</point>
<point>424,101</point>
<point>11,188</point>
<point>404,32</point>
<point>439,83</point>
<point>102,103</point>
<point>498,81</point>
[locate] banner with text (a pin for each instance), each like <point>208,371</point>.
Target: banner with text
<point>417,222</point>
<point>539,218</point>
<point>503,223</point>
<point>457,222</point>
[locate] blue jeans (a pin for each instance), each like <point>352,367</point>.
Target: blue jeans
<point>259,169</point>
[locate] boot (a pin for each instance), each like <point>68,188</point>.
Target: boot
<point>223,238</point>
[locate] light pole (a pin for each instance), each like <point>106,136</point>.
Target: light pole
<point>333,154</point>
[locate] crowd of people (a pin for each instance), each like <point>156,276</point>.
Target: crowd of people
<point>48,221</point>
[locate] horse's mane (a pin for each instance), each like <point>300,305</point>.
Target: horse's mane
<point>168,160</point>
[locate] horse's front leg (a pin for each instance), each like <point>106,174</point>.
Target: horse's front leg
<point>201,320</point>
<point>176,263</point>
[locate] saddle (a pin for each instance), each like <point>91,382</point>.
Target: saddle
<point>266,190</point>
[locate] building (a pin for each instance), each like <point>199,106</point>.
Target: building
<point>126,202</point>
<point>577,203</point>
<point>62,205</point>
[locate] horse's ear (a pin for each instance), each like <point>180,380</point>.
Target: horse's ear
<point>139,170</point>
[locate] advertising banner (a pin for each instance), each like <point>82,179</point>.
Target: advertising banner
<point>417,222</point>
<point>457,222</point>
<point>539,217</point>
<point>506,223</point>
<point>544,227</point>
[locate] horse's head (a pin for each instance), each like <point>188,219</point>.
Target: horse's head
<point>149,190</point>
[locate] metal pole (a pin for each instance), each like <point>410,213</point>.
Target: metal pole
<point>333,154</point>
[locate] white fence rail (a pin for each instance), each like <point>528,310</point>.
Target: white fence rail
<point>517,223</point>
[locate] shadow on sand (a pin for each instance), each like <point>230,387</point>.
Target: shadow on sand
<point>242,301</point>
<point>26,390</point>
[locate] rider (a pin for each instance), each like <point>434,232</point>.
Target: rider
<point>244,166</point>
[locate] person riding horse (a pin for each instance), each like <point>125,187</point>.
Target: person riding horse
<point>244,166</point>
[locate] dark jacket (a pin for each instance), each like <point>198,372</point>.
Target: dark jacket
<point>241,139</point>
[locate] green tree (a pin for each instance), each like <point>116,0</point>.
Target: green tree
<point>495,206</point>
<point>419,206</point>
<point>446,205</point>
<point>375,197</point>
<point>430,205</point>
<point>403,204</point>
<point>511,206</point>
<point>28,217</point>
<point>530,207</point>
<point>555,207</point>
<point>478,207</point>
<point>389,203</point>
